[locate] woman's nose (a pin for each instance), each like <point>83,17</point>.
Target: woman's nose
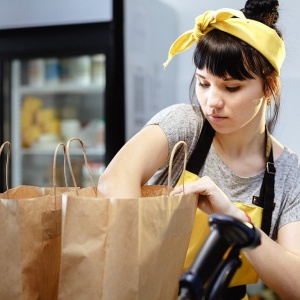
<point>214,98</point>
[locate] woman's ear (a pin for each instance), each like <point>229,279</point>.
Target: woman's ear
<point>268,94</point>
<point>270,88</point>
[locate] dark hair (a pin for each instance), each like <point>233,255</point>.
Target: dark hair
<point>225,55</point>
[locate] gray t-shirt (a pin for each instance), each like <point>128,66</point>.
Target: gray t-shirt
<point>181,123</point>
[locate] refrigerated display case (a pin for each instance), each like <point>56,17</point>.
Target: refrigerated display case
<point>52,101</point>
<point>58,82</point>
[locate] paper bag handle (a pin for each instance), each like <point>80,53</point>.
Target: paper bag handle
<point>7,162</point>
<point>171,162</point>
<point>85,161</point>
<point>54,167</point>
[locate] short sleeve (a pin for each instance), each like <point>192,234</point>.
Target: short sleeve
<point>180,122</point>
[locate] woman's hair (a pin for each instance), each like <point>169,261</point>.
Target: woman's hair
<point>225,55</point>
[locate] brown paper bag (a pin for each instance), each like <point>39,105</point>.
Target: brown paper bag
<point>30,226</point>
<point>124,248</point>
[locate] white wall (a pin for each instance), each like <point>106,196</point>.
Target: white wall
<point>150,27</point>
<point>289,120</point>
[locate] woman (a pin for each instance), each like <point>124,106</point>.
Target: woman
<point>238,57</point>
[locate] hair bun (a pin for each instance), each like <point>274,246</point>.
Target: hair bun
<point>264,11</point>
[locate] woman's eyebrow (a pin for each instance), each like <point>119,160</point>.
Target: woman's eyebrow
<point>225,79</point>
<point>228,79</point>
<point>196,74</point>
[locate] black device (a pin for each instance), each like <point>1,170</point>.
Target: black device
<point>210,273</point>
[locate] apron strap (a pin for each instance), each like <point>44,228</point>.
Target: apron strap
<point>266,197</point>
<point>198,157</point>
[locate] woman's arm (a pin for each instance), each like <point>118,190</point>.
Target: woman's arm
<point>135,164</point>
<point>278,263</point>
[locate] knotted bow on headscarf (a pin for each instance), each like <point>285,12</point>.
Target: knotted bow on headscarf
<point>258,35</point>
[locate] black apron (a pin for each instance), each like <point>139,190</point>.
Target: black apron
<point>265,199</point>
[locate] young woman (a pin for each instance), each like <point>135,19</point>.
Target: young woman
<point>238,57</point>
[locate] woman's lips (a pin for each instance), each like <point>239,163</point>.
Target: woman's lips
<point>216,118</point>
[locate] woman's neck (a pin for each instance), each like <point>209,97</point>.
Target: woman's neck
<point>242,151</point>
<point>241,143</point>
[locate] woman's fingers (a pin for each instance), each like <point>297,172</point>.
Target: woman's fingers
<point>211,197</point>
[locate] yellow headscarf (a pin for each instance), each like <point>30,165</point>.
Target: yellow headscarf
<point>259,36</point>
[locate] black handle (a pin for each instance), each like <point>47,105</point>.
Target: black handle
<point>209,265</point>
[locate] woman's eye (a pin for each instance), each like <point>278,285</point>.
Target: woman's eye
<point>233,89</point>
<point>205,85</point>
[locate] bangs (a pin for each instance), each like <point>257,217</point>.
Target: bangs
<point>224,55</point>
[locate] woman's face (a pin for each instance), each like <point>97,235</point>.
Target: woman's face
<point>230,104</point>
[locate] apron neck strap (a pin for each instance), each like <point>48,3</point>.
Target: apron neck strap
<point>266,197</point>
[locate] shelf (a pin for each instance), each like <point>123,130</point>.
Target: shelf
<point>62,89</point>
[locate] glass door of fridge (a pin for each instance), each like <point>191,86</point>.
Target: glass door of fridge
<point>53,100</point>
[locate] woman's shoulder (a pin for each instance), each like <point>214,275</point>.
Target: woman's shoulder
<point>288,156</point>
<point>182,121</point>
<point>181,110</point>
<point>283,154</point>
<point>288,163</point>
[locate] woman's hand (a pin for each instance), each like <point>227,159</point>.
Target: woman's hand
<point>211,198</point>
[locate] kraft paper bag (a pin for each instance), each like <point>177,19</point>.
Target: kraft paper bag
<point>124,248</point>
<point>30,242</point>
